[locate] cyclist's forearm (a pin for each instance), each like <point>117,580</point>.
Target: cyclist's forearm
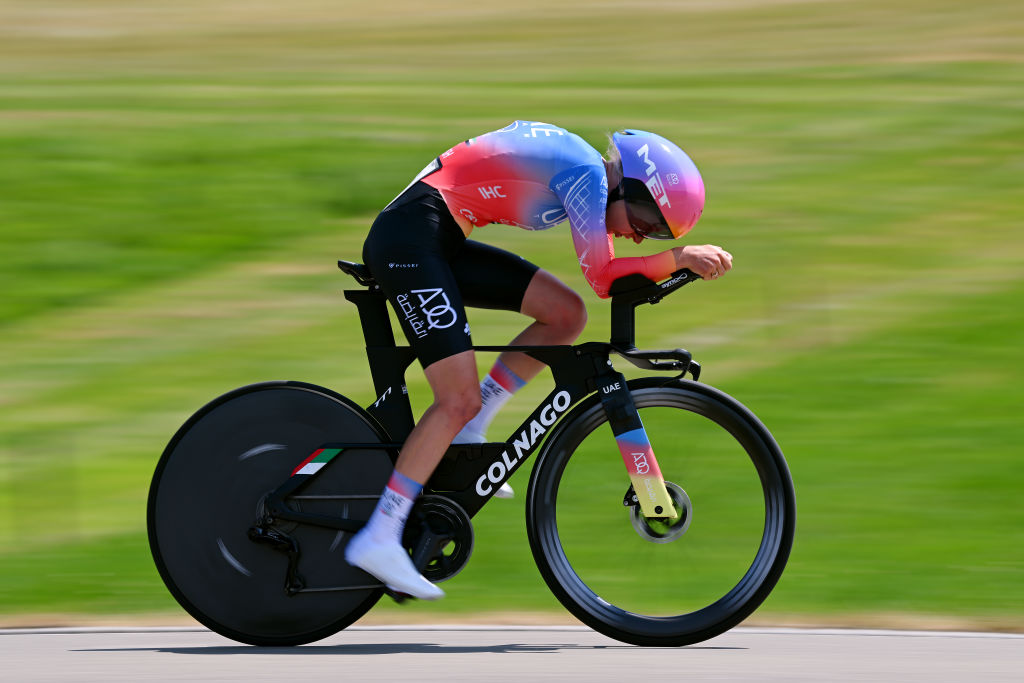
<point>655,267</point>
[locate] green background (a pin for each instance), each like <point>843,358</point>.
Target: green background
<point>177,180</point>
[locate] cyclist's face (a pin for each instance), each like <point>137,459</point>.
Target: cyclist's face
<point>617,222</point>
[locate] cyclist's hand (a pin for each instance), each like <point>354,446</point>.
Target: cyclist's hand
<point>707,260</point>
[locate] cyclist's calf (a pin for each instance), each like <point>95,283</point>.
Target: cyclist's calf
<point>456,400</point>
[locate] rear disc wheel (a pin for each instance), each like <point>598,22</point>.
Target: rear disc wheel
<point>207,492</point>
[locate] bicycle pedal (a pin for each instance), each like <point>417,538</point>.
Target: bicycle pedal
<point>398,596</point>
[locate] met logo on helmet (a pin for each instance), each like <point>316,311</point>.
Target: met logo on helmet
<point>653,181</point>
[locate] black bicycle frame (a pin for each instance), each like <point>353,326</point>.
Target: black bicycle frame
<point>469,474</point>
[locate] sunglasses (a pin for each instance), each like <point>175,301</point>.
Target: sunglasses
<point>642,211</point>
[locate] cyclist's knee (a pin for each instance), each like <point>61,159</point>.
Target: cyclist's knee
<point>551,302</point>
<point>460,404</point>
<point>568,315</point>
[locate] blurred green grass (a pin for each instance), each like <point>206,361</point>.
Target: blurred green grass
<point>177,180</point>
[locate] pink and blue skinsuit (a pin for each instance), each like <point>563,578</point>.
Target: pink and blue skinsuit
<point>529,175</point>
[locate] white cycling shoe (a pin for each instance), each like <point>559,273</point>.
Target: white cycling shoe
<point>389,562</point>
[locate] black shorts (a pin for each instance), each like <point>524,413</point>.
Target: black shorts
<point>429,272</point>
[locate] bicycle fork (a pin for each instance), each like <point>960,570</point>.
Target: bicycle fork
<point>634,445</point>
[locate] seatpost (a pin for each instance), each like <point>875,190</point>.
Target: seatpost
<point>373,316</point>
<point>387,362</point>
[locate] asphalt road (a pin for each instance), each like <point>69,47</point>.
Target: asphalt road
<point>508,653</point>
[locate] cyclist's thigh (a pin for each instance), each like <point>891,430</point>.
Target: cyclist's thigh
<point>490,277</point>
<point>407,251</point>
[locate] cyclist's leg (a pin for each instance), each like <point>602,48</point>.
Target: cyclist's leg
<point>559,317</point>
<point>497,279</point>
<point>490,277</point>
<point>377,548</point>
<point>408,252</point>
<point>456,400</point>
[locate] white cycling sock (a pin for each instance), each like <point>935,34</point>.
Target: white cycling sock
<point>495,391</point>
<point>388,519</point>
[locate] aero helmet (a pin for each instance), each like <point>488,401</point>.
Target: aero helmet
<point>662,187</point>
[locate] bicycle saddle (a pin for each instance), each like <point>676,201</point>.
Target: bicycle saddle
<point>359,271</point>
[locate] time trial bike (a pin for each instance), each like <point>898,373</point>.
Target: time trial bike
<point>256,495</point>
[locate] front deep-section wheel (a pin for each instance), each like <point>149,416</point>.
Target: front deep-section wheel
<point>206,495</point>
<point>674,580</point>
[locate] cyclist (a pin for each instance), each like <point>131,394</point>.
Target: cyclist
<point>531,175</point>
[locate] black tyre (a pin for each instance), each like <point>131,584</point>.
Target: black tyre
<point>206,493</point>
<point>667,582</point>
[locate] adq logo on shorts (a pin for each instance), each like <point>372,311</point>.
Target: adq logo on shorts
<point>435,305</point>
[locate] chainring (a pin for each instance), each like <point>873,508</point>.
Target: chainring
<point>439,534</point>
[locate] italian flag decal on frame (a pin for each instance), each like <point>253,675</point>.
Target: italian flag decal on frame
<point>313,463</point>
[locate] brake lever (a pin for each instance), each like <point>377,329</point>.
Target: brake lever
<point>694,370</point>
